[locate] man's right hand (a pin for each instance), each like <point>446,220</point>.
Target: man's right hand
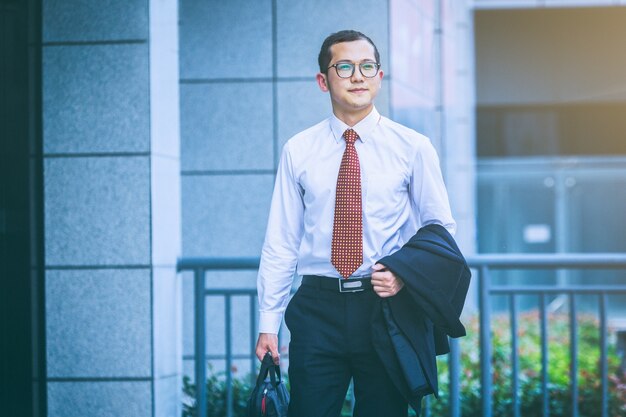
<point>267,342</point>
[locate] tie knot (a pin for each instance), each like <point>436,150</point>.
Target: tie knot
<point>350,136</point>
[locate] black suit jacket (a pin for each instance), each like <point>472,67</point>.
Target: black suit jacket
<point>411,328</point>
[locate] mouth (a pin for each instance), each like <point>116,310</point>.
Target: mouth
<point>358,90</point>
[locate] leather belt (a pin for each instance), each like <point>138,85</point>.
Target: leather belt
<point>349,285</point>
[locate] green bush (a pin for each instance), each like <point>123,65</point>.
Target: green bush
<point>529,382</point>
<point>216,395</point>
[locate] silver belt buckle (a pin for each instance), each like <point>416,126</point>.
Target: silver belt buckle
<point>350,285</point>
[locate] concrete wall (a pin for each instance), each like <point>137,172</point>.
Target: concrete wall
<point>112,207</point>
<point>550,56</point>
<point>247,84</point>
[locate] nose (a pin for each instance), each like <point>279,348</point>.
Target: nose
<point>357,76</point>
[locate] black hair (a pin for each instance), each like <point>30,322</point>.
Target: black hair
<point>324,57</point>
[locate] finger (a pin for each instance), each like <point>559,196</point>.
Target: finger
<point>381,290</point>
<point>273,350</point>
<point>386,291</point>
<point>260,353</point>
<point>381,275</point>
<point>377,279</point>
<point>378,267</point>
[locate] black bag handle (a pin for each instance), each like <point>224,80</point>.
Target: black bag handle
<point>268,367</point>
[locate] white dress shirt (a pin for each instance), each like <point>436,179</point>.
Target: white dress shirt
<point>402,188</point>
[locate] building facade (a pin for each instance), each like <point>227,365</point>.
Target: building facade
<point>152,130</point>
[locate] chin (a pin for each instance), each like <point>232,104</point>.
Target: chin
<point>362,106</point>
<point>363,102</point>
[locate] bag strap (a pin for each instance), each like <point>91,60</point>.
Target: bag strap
<point>268,367</point>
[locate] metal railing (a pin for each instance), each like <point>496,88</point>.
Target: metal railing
<point>486,263</point>
<point>199,266</point>
<point>483,265</point>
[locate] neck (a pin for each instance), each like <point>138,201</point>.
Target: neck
<point>354,117</point>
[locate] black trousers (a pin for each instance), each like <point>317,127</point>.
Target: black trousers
<point>330,344</point>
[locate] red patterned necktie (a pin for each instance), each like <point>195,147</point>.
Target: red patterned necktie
<point>347,245</point>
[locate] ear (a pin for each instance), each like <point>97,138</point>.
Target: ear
<point>322,82</point>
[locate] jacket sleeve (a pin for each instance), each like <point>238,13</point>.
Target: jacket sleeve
<point>436,276</point>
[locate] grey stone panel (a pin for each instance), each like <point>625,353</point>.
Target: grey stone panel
<point>240,368</point>
<point>235,279</point>
<point>100,399</point>
<point>301,105</point>
<point>166,211</point>
<point>97,211</point>
<point>216,312</point>
<point>94,20</point>
<point>302,27</point>
<point>225,215</point>
<point>167,312</point>
<point>215,325</point>
<point>188,308</point>
<point>96,98</point>
<point>167,400</point>
<point>189,369</point>
<point>226,39</point>
<point>216,279</point>
<point>241,340</point>
<point>227,126</point>
<point>98,323</point>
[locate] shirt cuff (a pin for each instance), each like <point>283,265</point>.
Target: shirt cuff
<point>269,322</point>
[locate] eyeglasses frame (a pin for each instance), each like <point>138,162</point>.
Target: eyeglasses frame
<point>354,68</point>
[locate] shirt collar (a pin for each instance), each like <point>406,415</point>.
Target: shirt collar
<point>364,128</point>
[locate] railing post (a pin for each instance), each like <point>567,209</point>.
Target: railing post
<point>200,342</point>
<point>253,337</point>
<point>485,340</point>
<point>573,353</point>
<point>544,354</point>
<point>454,373</point>
<point>514,356</point>
<point>604,371</point>
<point>229,356</point>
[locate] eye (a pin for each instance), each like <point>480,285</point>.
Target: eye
<point>344,67</point>
<point>368,66</point>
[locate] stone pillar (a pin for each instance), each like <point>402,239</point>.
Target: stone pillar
<point>458,103</point>
<point>432,91</point>
<point>112,207</point>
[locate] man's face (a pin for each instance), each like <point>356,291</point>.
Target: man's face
<point>352,98</point>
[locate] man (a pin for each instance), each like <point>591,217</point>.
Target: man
<point>349,191</point>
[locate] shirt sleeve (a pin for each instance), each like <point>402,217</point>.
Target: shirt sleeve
<point>280,248</point>
<point>428,191</point>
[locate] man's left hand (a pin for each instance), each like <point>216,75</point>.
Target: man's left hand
<point>384,282</point>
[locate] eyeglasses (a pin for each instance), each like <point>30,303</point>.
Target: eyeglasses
<point>346,69</point>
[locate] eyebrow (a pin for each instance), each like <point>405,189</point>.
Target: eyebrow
<point>344,61</point>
